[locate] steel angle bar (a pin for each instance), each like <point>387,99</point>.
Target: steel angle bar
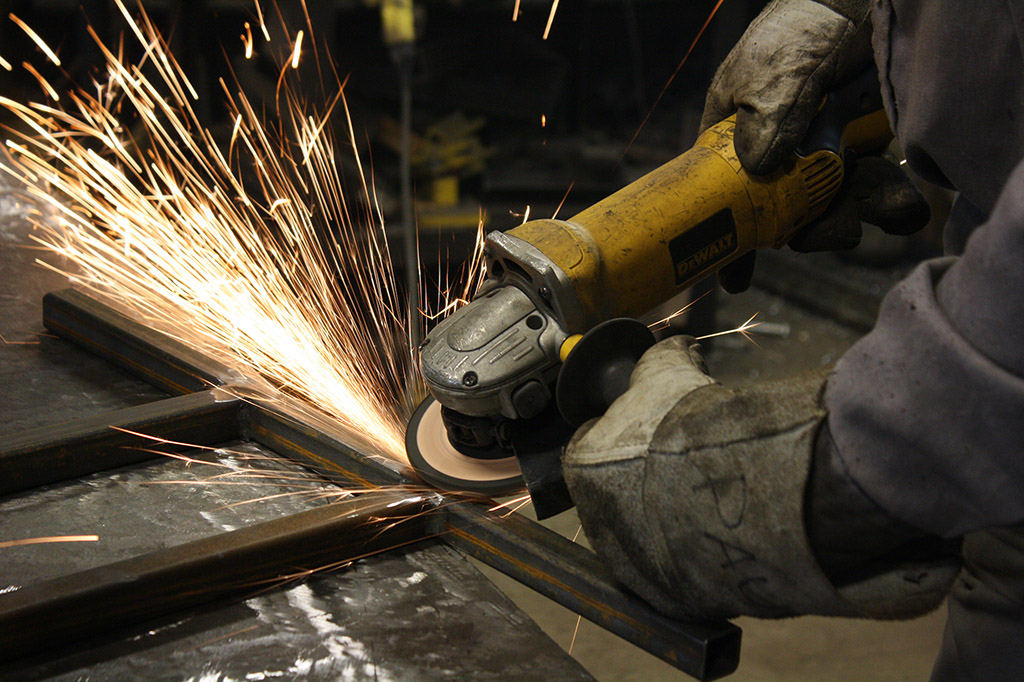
<point>59,452</point>
<point>153,357</point>
<point>574,577</point>
<point>242,561</point>
<point>329,456</point>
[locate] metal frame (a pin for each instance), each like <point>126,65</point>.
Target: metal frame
<point>201,415</point>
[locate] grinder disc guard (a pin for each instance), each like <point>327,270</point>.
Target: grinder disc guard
<point>437,461</point>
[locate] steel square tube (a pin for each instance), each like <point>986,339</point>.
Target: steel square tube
<point>574,577</point>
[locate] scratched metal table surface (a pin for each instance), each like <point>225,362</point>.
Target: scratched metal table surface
<point>419,613</point>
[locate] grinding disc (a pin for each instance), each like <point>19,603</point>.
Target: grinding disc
<point>437,461</point>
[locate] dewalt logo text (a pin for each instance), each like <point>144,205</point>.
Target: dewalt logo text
<point>695,251</point>
<point>706,256</point>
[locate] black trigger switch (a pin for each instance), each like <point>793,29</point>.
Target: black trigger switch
<point>530,399</point>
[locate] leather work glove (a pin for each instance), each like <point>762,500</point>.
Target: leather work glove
<point>774,80</point>
<point>696,496</point>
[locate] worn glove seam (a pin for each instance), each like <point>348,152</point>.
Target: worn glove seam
<point>664,566</point>
<point>594,457</point>
<point>854,10</point>
<point>720,73</point>
<point>850,27</point>
<point>756,438</point>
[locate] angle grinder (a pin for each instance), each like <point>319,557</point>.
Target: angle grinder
<point>515,371</point>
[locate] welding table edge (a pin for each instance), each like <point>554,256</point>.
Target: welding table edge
<point>709,651</point>
<point>77,606</point>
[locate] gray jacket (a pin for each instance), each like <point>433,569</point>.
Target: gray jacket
<point>927,411</point>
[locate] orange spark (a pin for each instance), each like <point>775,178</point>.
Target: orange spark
<point>263,24</point>
<point>49,539</point>
<point>564,197</point>
<point>247,41</point>
<point>663,322</point>
<point>551,19</point>
<point>43,83</point>
<point>36,39</point>
<point>575,630</point>
<point>714,10</point>
<point>513,505</point>
<point>515,11</point>
<point>297,50</point>
<point>742,329</point>
<point>4,340</point>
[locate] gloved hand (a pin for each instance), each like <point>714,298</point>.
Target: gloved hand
<point>775,77</point>
<point>694,494</point>
<point>774,80</point>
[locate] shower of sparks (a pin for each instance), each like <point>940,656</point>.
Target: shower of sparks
<point>253,255</point>
<point>452,295</point>
<point>49,540</point>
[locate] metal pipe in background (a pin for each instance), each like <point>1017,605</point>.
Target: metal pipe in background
<point>399,31</point>
<point>411,243</point>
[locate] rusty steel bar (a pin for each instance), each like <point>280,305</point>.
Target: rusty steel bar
<point>74,607</point>
<point>329,456</point>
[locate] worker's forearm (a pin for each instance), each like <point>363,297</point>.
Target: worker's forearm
<point>926,410</point>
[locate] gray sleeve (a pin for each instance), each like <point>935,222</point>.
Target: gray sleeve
<point>927,411</point>
<point>854,10</point>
